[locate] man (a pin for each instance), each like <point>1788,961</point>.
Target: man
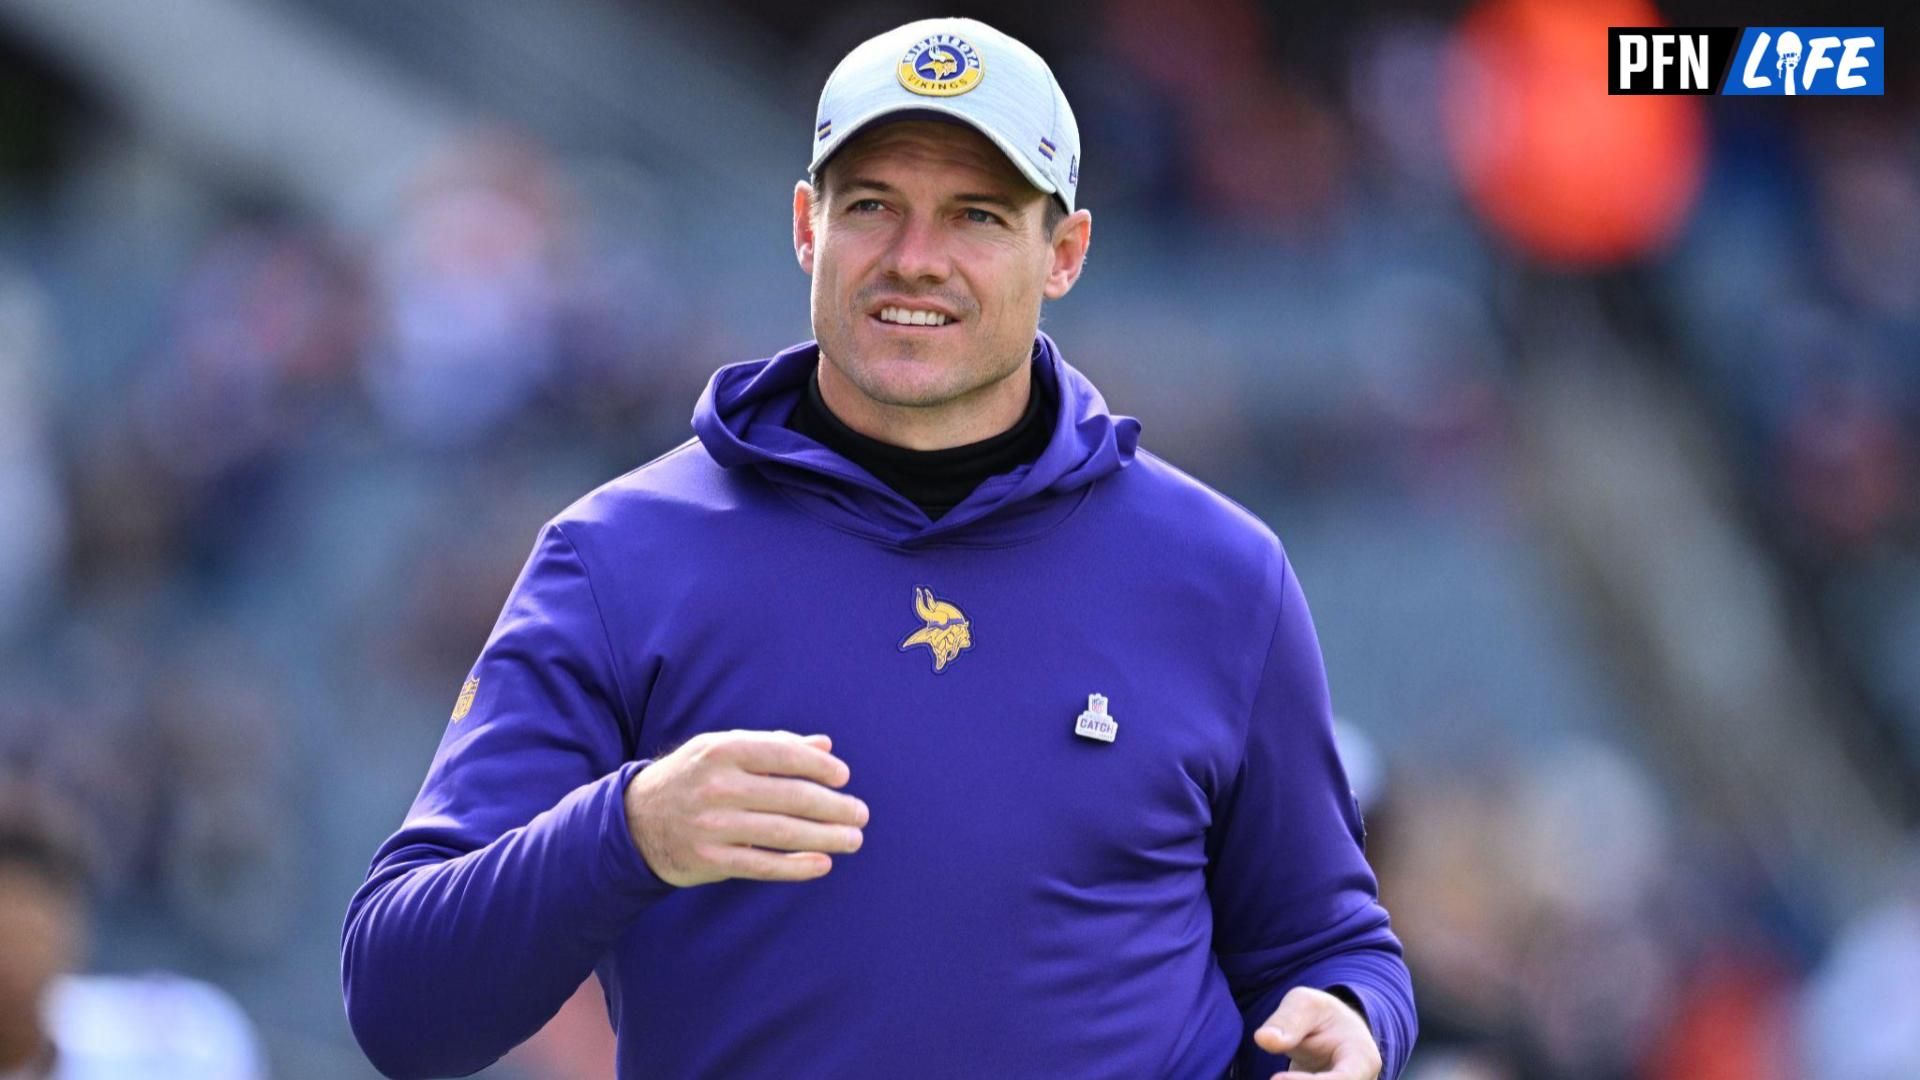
<point>57,1025</point>
<point>42,926</point>
<point>1100,829</point>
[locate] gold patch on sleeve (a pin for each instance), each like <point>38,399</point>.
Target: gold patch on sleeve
<point>464,703</point>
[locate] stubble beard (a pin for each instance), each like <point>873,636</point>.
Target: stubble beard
<point>969,375</point>
<point>966,374</point>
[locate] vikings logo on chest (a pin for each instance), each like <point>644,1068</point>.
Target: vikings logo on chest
<point>946,630</point>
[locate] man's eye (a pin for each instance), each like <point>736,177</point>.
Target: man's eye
<point>984,217</point>
<point>863,206</point>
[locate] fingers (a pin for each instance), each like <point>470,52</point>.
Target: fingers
<point>780,753</point>
<point>745,804</point>
<point>1302,1012</point>
<point>1351,1065</point>
<point>801,799</point>
<point>784,833</point>
<point>1275,1040</point>
<point>743,862</point>
<point>1321,1036</point>
<point>1351,1071</point>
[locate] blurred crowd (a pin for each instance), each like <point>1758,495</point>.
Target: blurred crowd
<point>265,479</point>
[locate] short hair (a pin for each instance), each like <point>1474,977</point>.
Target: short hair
<point>1056,210</point>
<point>43,836</point>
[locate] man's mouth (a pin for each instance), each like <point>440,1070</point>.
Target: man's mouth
<point>911,317</point>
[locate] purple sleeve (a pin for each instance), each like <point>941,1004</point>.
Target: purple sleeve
<point>513,872</point>
<point>1294,901</point>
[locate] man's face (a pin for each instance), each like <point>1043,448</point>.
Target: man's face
<point>929,217</point>
<point>40,933</point>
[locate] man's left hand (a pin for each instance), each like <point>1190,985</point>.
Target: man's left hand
<point>1322,1037</point>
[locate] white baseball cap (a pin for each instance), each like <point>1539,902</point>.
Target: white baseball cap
<point>964,69</point>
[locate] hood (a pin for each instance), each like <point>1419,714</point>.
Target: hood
<point>741,420</point>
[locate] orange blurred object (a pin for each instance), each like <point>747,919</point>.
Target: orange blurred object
<point>1732,1023</point>
<point>1572,175</point>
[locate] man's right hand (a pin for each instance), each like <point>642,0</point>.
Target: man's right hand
<point>706,811</point>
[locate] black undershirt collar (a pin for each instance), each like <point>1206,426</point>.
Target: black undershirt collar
<point>934,480</point>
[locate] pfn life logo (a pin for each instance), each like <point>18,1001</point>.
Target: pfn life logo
<point>1795,60</point>
<point>1781,60</point>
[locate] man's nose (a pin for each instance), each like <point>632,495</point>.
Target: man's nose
<point>919,250</point>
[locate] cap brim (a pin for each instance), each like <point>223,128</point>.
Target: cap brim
<point>932,109</point>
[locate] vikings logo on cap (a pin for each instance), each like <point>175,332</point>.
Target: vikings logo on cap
<point>940,65</point>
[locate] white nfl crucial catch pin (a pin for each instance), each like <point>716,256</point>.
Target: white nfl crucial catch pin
<point>1095,723</point>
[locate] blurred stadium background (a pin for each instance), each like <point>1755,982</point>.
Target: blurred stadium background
<point>1590,423</point>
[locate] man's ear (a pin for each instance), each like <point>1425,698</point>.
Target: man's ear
<point>803,196</point>
<point>1071,239</point>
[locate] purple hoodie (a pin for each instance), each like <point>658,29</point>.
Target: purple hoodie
<point>1029,900</point>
